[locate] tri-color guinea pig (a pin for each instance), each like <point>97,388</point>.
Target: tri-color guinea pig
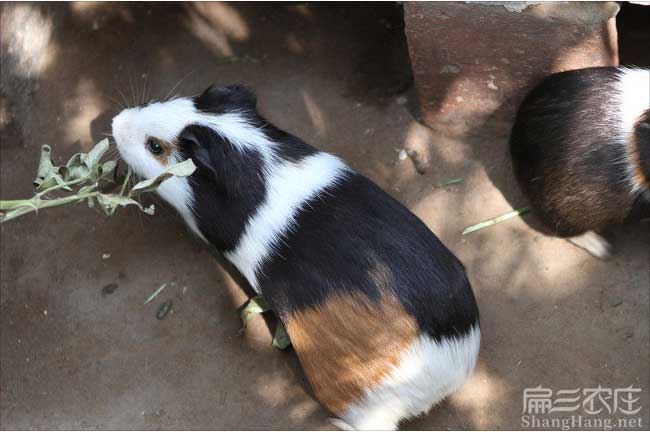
<point>581,151</point>
<point>380,313</point>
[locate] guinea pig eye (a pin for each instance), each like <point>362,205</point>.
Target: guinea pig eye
<point>154,146</point>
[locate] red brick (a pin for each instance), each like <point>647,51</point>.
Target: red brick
<point>476,61</point>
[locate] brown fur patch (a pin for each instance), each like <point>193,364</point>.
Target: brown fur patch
<point>349,344</point>
<point>639,178</point>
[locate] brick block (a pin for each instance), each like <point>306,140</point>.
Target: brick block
<point>476,61</point>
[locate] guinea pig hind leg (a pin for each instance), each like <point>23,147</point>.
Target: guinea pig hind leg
<point>593,243</point>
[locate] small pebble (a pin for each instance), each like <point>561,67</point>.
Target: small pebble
<point>401,100</point>
<point>109,289</point>
<point>164,309</point>
<point>402,155</point>
<point>492,86</point>
<point>106,256</point>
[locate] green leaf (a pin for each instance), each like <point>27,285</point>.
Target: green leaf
<point>255,306</point>
<point>96,153</point>
<point>53,179</point>
<point>182,169</point>
<point>109,202</point>
<point>45,166</point>
<point>74,172</point>
<point>281,337</point>
<point>108,167</point>
<point>76,160</point>
<point>95,172</point>
<point>75,169</point>
<point>87,188</point>
<point>84,171</point>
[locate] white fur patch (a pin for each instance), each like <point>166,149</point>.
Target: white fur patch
<point>288,187</point>
<point>130,138</point>
<point>427,373</point>
<point>633,101</point>
<point>166,120</point>
<point>593,243</point>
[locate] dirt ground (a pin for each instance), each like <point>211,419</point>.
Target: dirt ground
<point>80,353</point>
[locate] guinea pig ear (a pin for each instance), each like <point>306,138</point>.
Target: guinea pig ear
<point>217,99</point>
<point>200,153</point>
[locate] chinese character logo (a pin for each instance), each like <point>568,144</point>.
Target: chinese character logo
<point>594,401</point>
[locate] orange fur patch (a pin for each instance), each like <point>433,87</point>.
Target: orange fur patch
<point>168,147</point>
<point>639,178</point>
<point>350,343</point>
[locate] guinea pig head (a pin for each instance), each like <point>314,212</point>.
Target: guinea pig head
<point>221,132</point>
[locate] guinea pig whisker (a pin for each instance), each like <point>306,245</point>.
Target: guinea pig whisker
<point>134,103</point>
<point>126,101</point>
<point>148,98</point>
<point>115,101</point>
<point>177,84</point>
<point>136,93</point>
<point>144,90</point>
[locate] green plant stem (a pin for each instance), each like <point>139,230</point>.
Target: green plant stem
<point>495,220</point>
<point>126,182</point>
<point>12,204</point>
<point>36,203</point>
<point>60,186</point>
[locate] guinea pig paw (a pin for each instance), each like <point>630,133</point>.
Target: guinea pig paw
<point>593,243</point>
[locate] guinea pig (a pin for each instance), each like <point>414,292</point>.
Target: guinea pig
<point>379,312</point>
<point>580,147</point>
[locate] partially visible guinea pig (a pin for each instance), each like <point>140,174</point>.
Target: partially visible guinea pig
<point>379,311</point>
<point>581,151</point>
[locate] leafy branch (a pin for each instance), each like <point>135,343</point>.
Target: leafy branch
<point>84,177</point>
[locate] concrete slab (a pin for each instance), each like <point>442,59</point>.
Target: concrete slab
<point>75,356</point>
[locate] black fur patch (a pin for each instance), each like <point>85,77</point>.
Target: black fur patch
<point>356,238</point>
<point>229,182</point>
<point>227,185</point>
<point>565,152</point>
<point>238,98</point>
<point>288,147</point>
<point>220,100</point>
